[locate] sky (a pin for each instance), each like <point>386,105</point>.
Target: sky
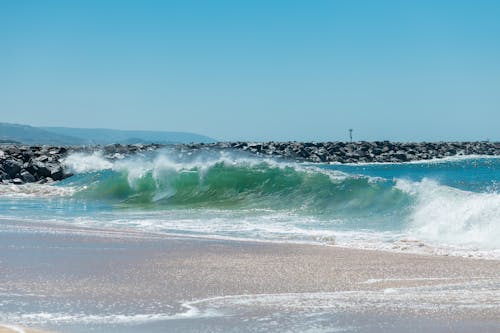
<point>255,70</point>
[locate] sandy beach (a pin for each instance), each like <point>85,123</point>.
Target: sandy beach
<point>173,277</point>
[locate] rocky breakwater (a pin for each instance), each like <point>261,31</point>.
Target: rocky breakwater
<point>44,164</point>
<point>364,152</point>
<point>20,164</point>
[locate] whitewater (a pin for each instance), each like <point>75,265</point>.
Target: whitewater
<point>438,207</point>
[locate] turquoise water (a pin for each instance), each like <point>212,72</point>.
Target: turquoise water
<point>450,206</point>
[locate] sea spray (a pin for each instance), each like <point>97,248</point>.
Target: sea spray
<point>451,216</point>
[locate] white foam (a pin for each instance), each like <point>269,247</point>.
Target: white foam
<point>83,162</point>
<point>52,318</point>
<point>244,224</point>
<point>483,294</point>
<point>374,281</point>
<point>166,160</point>
<point>34,191</point>
<point>13,328</point>
<point>452,217</point>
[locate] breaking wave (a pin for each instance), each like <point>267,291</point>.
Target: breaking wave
<point>235,183</point>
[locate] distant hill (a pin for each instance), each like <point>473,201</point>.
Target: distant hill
<point>86,136</point>
<point>107,136</point>
<point>15,133</point>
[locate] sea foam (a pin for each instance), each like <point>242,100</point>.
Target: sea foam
<point>446,215</point>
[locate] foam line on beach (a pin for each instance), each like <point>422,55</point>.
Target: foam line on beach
<point>419,279</point>
<point>37,318</point>
<point>11,329</point>
<point>424,299</point>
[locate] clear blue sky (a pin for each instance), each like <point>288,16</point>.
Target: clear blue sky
<point>255,70</point>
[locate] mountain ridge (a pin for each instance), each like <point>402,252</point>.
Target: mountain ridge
<point>26,134</point>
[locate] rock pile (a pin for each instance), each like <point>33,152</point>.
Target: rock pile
<point>42,164</point>
<point>364,152</point>
<point>20,164</point>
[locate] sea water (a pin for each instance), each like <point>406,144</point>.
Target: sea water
<point>437,207</point>
<point>449,206</point>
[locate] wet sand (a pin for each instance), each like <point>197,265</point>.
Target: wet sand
<point>4,329</point>
<point>140,273</point>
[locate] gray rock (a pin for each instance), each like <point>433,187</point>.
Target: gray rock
<point>17,181</point>
<point>56,172</point>
<point>12,167</point>
<point>27,177</point>
<point>40,169</point>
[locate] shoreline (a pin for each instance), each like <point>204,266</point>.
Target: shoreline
<point>209,274</point>
<point>6,328</point>
<point>405,246</point>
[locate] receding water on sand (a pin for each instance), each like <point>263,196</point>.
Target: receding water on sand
<point>71,279</point>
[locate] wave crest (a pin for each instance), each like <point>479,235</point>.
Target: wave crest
<point>227,182</point>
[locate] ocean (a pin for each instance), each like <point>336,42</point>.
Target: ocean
<point>449,206</point>
<point>439,208</point>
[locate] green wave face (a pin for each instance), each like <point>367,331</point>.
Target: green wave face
<point>223,185</point>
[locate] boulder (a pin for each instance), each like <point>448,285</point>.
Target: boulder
<point>17,181</point>
<point>40,169</point>
<point>12,167</point>
<point>57,172</point>
<point>27,177</point>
